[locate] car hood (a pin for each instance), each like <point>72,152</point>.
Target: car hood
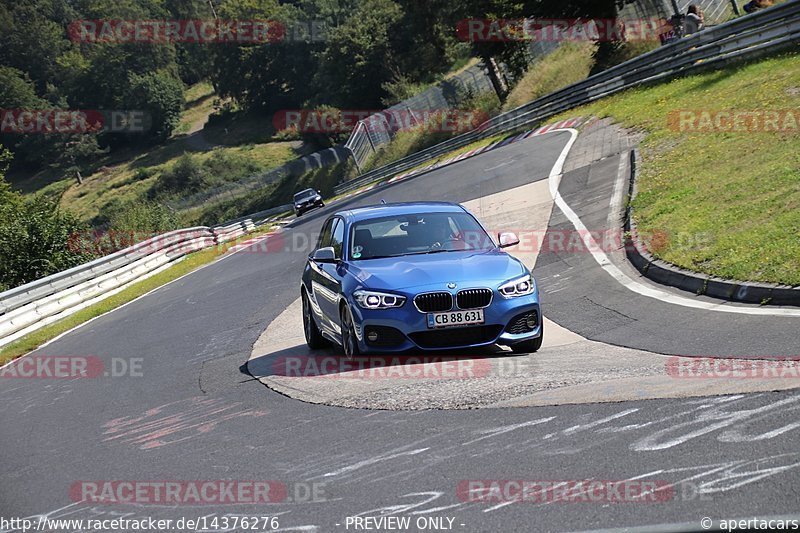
<point>436,270</point>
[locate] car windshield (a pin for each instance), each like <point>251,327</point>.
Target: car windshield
<point>417,234</point>
<point>304,195</point>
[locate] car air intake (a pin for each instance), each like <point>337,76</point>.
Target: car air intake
<point>456,337</point>
<point>433,302</point>
<point>522,323</point>
<point>473,298</point>
<point>383,336</point>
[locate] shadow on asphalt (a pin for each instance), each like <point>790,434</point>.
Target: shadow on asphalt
<point>300,362</point>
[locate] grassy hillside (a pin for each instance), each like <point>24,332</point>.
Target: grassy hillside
<point>730,201</point>
<point>234,145</point>
<point>568,64</point>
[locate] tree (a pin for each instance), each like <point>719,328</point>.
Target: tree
<point>264,76</point>
<point>159,94</point>
<point>426,43</point>
<point>359,58</point>
<point>32,38</point>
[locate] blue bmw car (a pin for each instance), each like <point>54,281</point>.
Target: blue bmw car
<point>416,276</point>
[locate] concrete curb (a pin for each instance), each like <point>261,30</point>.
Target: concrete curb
<point>669,274</point>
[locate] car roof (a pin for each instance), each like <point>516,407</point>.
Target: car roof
<point>305,190</point>
<point>404,208</point>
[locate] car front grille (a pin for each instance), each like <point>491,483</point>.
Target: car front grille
<point>519,324</point>
<point>473,298</point>
<point>452,338</point>
<point>434,302</point>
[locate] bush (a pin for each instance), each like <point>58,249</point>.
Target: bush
<point>186,175</point>
<point>143,217</point>
<point>142,174</point>
<point>609,54</point>
<point>225,166</point>
<point>35,239</point>
<point>323,115</point>
<point>161,95</point>
<point>323,179</point>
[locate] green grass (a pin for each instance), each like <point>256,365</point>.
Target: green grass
<point>413,140</point>
<point>199,104</point>
<point>126,175</point>
<point>568,64</point>
<point>190,263</point>
<point>129,180</point>
<point>729,202</point>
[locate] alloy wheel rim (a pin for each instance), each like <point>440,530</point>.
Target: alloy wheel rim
<point>306,319</point>
<point>348,334</point>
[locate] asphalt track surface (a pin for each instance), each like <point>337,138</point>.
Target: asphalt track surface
<point>194,413</point>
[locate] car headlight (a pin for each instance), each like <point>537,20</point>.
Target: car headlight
<point>518,287</point>
<point>378,300</point>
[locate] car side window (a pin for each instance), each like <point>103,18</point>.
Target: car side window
<point>325,235</point>
<point>337,238</point>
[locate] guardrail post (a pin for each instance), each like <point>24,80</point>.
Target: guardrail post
<point>369,138</point>
<point>355,159</point>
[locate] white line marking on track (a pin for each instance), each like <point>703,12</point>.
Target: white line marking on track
<point>630,284</point>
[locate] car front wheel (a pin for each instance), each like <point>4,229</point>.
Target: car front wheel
<point>314,338</point>
<point>530,346</point>
<point>349,339</point>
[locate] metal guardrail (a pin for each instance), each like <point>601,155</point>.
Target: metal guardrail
<point>34,305</point>
<point>746,36</point>
<point>379,129</point>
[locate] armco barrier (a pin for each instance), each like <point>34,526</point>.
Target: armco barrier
<point>31,306</point>
<point>744,37</point>
<point>36,304</point>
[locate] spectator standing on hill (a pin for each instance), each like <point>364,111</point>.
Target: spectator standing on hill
<point>695,20</point>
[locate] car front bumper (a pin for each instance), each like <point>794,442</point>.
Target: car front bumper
<point>416,335</point>
<point>302,208</point>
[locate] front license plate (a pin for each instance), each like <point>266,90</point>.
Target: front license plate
<point>455,318</point>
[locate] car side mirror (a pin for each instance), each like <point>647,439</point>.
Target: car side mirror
<point>507,239</point>
<point>324,255</point>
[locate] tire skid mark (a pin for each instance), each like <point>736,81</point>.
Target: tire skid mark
<point>195,416</point>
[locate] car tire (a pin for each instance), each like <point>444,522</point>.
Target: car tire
<point>349,340</point>
<point>531,346</point>
<point>314,338</point>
